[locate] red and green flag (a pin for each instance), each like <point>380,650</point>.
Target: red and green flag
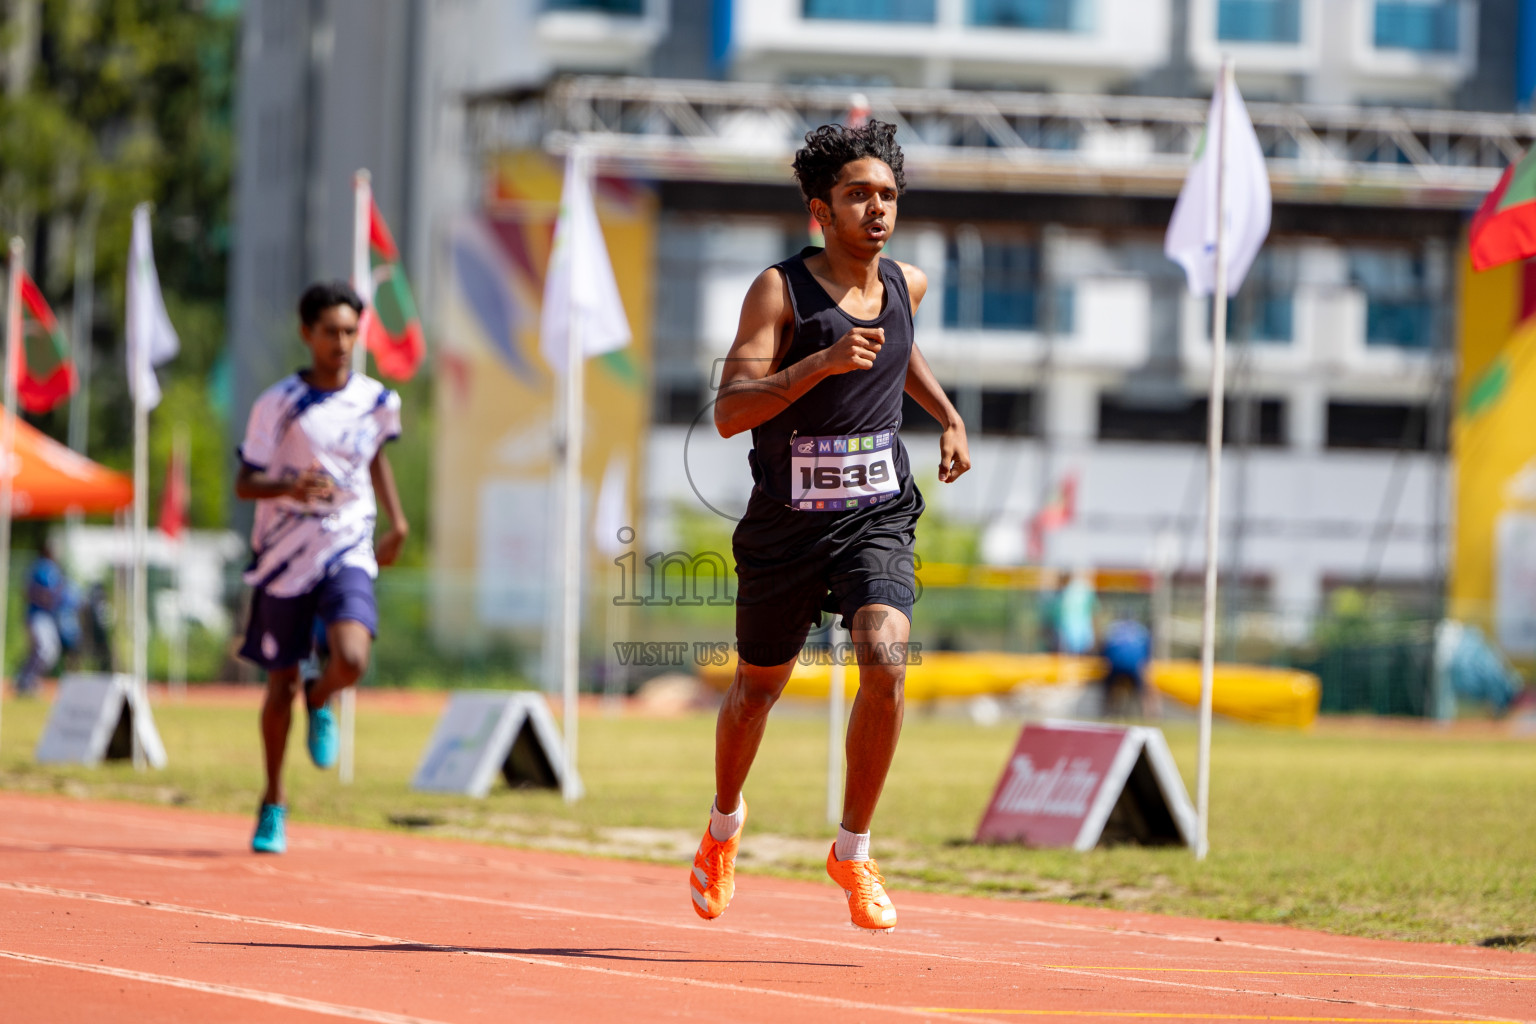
<point>47,378</point>
<point>1504,229</point>
<point>391,326</point>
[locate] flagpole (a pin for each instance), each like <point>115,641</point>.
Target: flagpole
<point>178,639</point>
<point>141,370</point>
<point>1213,467</point>
<point>8,438</point>
<point>362,283</point>
<point>570,619</point>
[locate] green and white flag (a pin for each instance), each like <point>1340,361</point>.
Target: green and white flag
<point>1191,240</point>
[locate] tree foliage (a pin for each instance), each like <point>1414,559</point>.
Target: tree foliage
<point>131,101</point>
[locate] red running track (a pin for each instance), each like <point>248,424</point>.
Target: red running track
<point>114,912</point>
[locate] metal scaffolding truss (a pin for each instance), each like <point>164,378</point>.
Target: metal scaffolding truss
<point>694,130</point>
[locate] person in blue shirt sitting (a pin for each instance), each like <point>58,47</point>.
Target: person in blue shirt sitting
<point>1127,652</point>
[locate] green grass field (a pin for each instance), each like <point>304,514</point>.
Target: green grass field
<point>1391,832</point>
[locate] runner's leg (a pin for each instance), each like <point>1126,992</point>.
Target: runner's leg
<point>739,729</point>
<point>276,717</point>
<point>350,643</point>
<point>880,636</point>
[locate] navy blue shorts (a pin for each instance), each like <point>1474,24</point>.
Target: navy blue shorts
<point>282,629</point>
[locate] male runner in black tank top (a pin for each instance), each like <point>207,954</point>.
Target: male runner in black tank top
<point>821,359</point>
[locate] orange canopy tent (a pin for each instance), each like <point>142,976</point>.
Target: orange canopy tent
<point>52,479</point>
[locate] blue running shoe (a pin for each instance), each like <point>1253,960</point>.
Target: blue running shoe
<point>271,835</point>
<point>323,742</point>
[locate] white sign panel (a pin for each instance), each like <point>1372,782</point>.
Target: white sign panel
<point>512,553</point>
<point>482,733</point>
<point>89,712</point>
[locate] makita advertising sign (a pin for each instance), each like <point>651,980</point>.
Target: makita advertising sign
<point>1065,779</point>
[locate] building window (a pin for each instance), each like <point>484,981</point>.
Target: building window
<point>1426,26</point>
<point>1400,297</point>
<point>1007,413</point>
<point>1042,15</point>
<point>1378,425</point>
<point>1259,21</point>
<point>1264,310</point>
<point>680,403</point>
<point>630,7</point>
<point>1122,418</point>
<point>871,10</point>
<point>996,284</point>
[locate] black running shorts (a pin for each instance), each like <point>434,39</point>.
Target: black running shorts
<point>792,566</point>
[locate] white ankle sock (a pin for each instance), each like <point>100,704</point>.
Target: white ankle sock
<point>852,845</point>
<point>723,826</point>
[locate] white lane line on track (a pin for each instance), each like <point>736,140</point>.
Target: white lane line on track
<point>255,995</point>
<point>1450,1015</point>
<point>437,857</point>
<point>490,861</point>
<point>536,961</point>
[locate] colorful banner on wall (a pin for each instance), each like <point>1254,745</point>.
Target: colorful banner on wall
<point>497,399</point>
<point>1493,576</point>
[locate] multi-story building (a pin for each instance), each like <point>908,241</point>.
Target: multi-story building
<point>1045,140</point>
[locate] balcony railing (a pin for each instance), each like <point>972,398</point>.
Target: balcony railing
<point>871,10</point>
<point>1423,27</point>
<point>1259,21</point>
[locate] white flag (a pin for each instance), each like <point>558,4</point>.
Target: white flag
<point>149,326</point>
<point>580,278</point>
<point>1191,240</point>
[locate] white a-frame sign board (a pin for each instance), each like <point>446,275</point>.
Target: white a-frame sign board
<point>1079,784</point>
<point>94,719</point>
<point>482,733</point>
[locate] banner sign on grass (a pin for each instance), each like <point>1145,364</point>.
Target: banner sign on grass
<point>93,719</point>
<point>1078,784</point>
<point>482,733</point>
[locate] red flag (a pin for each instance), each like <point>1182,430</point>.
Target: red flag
<point>174,500</point>
<point>391,326</point>
<point>40,393</point>
<point>1061,511</point>
<point>1504,229</point>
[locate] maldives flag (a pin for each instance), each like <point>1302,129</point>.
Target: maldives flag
<point>1504,229</point>
<point>38,390</point>
<point>391,326</point>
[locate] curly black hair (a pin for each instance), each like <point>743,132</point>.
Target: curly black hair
<point>831,147</point>
<point>322,295</point>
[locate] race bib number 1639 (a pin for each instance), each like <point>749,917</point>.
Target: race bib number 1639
<point>831,474</point>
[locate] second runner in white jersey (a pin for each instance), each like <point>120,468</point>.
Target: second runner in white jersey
<point>294,427</point>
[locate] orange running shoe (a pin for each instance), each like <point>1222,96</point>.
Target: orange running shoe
<point>868,904</point>
<point>713,881</point>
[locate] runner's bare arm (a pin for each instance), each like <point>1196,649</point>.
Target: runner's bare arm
<point>923,386</point>
<point>751,392</point>
<point>387,548</point>
<point>917,284</point>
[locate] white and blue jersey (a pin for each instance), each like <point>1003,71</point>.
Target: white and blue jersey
<point>293,428</point>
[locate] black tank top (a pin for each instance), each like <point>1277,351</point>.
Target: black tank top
<point>859,402</point>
